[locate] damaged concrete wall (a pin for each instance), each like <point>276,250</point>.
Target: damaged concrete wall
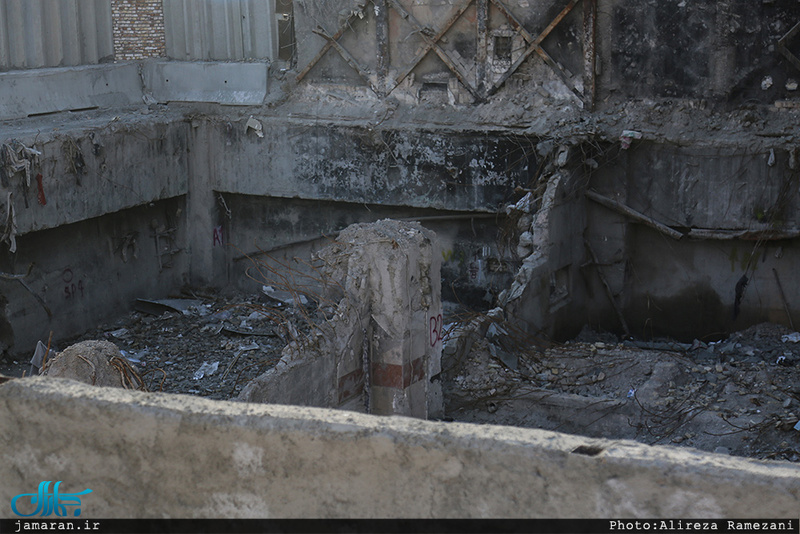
<point>474,48</point>
<point>735,213</point>
<point>349,174</point>
<point>198,459</point>
<point>680,241</point>
<point>452,170</point>
<point>726,52</point>
<point>546,292</point>
<point>380,349</point>
<point>719,51</point>
<point>86,219</point>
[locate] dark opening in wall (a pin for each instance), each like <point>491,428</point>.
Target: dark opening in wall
<point>502,47</point>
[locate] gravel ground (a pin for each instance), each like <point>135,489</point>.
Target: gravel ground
<point>211,347</point>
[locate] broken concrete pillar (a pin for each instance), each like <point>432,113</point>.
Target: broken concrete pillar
<point>403,289</point>
<point>381,349</point>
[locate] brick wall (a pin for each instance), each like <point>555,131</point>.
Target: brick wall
<point>138,27</point>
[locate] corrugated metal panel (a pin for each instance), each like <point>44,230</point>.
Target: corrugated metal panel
<point>54,33</point>
<point>219,29</point>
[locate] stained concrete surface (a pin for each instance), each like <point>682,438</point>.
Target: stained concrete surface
<point>199,458</point>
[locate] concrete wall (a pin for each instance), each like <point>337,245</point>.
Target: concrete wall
<point>687,287</point>
<point>65,89</point>
<point>547,294</point>
<point>391,166</point>
<point>720,51</point>
<point>89,272</point>
<point>601,52</point>
<point>382,48</point>
<point>126,85</point>
<point>41,33</point>
<point>157,455</point>
<point>474,267</point>
<point>88,230</point>
<point>239,84</point>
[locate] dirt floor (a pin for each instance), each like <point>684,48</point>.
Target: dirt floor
<point>738,396</point>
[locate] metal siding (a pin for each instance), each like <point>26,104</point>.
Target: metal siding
<point>54,33</point>
<point>219,29</point>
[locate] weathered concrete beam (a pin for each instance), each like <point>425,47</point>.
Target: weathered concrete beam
<point>33,92</point>
<point>241,84</point>
<point>157,455</point>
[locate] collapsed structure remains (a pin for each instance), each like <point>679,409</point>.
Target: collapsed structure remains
<point>623,171</point>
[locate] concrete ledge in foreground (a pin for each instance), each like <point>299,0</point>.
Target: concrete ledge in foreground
<point>158,455</point>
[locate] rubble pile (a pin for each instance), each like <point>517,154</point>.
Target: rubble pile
<point>738,396</point>
<point>209,346</point>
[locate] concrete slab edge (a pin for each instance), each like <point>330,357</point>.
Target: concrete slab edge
<point>158,455</point>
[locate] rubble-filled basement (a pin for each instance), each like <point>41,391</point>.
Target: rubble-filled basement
<point>559,236</point>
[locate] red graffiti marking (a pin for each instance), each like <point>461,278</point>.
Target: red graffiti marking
<point>218,236</point>
<point>436,329</point>
<point>40,194</point>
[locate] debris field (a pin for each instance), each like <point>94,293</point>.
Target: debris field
<point>738,396</point>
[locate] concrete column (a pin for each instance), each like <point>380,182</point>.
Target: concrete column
<point>404,294</point>
<point>382,347</point>
<point>201,209</point>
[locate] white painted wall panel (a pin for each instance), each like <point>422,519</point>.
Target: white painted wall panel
<point>54,33</point>
<point>220,29</point>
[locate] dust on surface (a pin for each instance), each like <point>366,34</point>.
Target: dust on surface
<point>739,396</point>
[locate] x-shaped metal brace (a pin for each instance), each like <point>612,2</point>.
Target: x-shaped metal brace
<point>432,39</point>
<point>534,45</point>
<point>432,43</point>
<point>332,41</point>
<point>785,51</point>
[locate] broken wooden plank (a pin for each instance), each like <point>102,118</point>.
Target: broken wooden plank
<point>633,214</point>
<point>784,50</point>
<point>382,38</point>
<point>482,16</point>
<point>324,50</point>
<point>748,234</point>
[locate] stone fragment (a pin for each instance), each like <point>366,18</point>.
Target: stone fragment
<point>93,362</point>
